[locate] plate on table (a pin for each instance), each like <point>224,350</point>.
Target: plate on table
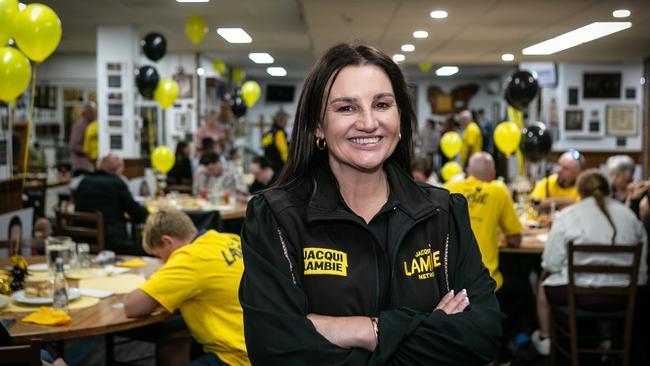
<point>42,267</point>
<point>19,296</point>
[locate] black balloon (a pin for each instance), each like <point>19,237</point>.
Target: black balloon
<point>154,46</point>
<point>147,79</point>
<point>521,90</point>
<point>535,142</point>
<point>237,104</point>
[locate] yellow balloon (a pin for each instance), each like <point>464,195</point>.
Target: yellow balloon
<point>37,31</point>
<point>450,170</point>
<point>220,67</point>
<point>163,159</point>
<point>425,66</point>
<point>238,75</point>
<point>8,11</point>
<point>195,29</point>
<point>15,72</point>
<point>450,144</point>
<point>507,137</point>
<point>166,93</point>
<point>250,92</point>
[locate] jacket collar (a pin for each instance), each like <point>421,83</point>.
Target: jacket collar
<point>326,201</point>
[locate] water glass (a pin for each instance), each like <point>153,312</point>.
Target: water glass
<point>83,255</point>
<point>58,247</point>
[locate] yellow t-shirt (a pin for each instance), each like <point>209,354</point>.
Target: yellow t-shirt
<point>202,279</point>
<point>91,143</point>
<point>472,138</point>
<point>490,208</point>
<point>554,190</point>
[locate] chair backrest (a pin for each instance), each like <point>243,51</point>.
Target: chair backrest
<point>82,226</point>
<point>21,355</point>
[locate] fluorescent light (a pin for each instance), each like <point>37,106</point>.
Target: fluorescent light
<point>200,71</point>
<point>438,14</point>
<point>234,35</point>
<point>408,48</point>
<point>621,13</point>
<point>447,70</point>
<point>576,37</point>
<point>507,57</point>
<point>276,71</point>
<point>192,1</point>
<point>261,58</point>
<point>398,57</point>
<point>420,34</point>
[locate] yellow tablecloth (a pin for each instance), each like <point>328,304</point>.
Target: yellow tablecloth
<point>120,284</point>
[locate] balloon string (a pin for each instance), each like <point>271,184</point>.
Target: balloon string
<point>29,123</point>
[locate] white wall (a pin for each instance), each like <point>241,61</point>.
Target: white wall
<point>570,75</point>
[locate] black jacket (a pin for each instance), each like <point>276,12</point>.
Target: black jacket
<point>306,253</point>
<point>109,194</point>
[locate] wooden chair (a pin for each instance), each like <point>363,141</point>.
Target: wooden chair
<point>563,322</point>
<point>36,192</point>
<point>21,355</point>
<point>82,226</point>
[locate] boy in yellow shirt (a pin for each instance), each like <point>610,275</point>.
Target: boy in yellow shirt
<point>201,278</point>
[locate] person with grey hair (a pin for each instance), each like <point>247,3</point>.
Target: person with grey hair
<point>620,169</point>
<point>105,191</point>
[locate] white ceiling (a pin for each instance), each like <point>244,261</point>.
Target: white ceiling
<point>295,32</point>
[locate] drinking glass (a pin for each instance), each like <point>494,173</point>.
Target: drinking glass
<point>58,247</point>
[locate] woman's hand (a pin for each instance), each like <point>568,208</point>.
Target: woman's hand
<point>346,331</point>
<point>453,304</point>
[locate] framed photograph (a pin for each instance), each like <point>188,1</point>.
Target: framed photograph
<point>115,97</point>
<point>594,125</point>
<point>630,93</point>
<point>622,120</point>
<point>115,142</point>
<point>573,120</point>
<point>115,109</point>
<point>184,82</point>
<point>114,81</point>
<point>573,96</point>
<point>601,85</point>
<point>114,123</point>
<point>182,121</point>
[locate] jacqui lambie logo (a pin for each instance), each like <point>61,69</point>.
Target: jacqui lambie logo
<point>321,261</point>
<point>422,264</point>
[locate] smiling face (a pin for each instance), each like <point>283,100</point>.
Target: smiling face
<point>362,122</point>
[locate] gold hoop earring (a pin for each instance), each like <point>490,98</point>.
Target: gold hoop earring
<point>321,144</point>
<point>400,137</point>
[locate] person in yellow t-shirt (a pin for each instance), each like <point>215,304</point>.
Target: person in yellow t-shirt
<point>91,142</point>
<point>274,141</point>
<point>559,189</point>
<point>200,277</point>
<point>472,138</point>
<point>490,209</point>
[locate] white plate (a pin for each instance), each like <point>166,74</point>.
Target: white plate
<point>42,267</point>
<point>19,296</point>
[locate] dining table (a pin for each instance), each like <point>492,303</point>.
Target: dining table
<point>105,316</point>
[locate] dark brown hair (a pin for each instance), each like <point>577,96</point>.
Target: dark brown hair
<point>592,183</point>
<point>304,159</point>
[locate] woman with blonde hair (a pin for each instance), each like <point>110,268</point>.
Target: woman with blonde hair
<point>596,219</point>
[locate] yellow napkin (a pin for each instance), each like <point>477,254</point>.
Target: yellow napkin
<point>133,263</point>
<point>47,316</point>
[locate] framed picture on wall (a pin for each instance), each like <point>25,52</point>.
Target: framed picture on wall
<point>622,120</point>
<point>601,85</point>
<point>573,120</point>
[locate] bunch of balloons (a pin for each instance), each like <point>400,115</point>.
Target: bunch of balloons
<point>37,33</point>
<point>450,144</point>
<point>154,46</point>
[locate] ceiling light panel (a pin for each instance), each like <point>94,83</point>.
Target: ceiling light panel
<point>234,35</point>
<point>576,37</point>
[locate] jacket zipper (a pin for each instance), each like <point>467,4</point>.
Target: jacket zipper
<point>447,262</point>
<point>286,255</point>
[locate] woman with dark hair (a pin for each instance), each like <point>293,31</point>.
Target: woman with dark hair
<point>596,219</point>
<point>347,259</point>
<point>181,172</point>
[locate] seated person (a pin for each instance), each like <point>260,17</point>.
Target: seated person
<point>620,169</point>
<point>264,174</point>
<point>213,175</point>
<point>559,189</point>
<point>201,278</point>
<point>106,191</point>
<point>181,172</point>
<point>597,218</point>
<point>422,171</point>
